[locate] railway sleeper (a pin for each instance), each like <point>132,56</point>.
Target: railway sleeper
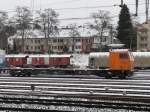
<point>116,73</point>
<point>87,104</point>
<point>20,72</point>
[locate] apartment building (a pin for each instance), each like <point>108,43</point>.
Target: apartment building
<point>36,43</point>
<point>143,37</point>
<point>31,45</point>
<point>59,45</point>
<point>55,45</point>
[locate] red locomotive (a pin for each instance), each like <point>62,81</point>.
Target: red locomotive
<point>40,60</point>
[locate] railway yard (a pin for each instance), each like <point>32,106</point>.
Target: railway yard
<point>75,93</point>
<point>53,61</point>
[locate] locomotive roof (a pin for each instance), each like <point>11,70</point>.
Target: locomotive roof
<point>97,54</point>
<point>119,50</point>
<point>101,54</point>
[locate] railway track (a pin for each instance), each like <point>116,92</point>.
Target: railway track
<point>53,93</point>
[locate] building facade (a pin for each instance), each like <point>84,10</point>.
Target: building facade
<point>31,45</point>
<point>55,45</point>
<point>87,41</point>
<point>143,37</point>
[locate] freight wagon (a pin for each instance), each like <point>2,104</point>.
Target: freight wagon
<point>2,59</point>
<point>41,60</point>
<point>120,64</point>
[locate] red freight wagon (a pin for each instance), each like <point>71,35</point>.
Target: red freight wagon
<point>59,60</point>
<point>39,60</point>
<point>64,61</point>
<point>36,60</point>
<point>16,60</point>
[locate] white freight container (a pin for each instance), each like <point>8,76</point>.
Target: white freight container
<point>2,57</point>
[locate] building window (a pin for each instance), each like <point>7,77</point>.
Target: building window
<point>78,47</point>
<point>35,41</point>
<point>143,45</point>
<point>61,40</point>
<point>35,47</point>
<point>143,39</point>
<point>77,40</point>
<point>55,40</point>
<point>55,47</point>
<point>27,47</point>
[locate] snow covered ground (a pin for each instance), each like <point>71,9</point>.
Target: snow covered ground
<point>80,60</point>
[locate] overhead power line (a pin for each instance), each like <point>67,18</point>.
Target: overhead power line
<point>87,7</point>
<point>67,1</point>
<point>92,7</point>
<point>84,18</point>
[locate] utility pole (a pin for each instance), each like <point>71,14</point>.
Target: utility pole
<point>137,4</point>
<point>32,5</point>
<point>111,34</point>
<point>147,9</point>
<point>121,3</point>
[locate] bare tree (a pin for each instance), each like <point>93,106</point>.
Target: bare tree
<point>73,30</point>
<point>6,30</point>
<point>73,33</point>
<point>3,22</point>
<point>48,21</point>
<point>23,20</point>
<point>101,22</point>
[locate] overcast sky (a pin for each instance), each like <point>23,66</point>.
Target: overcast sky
<point>61,5</point>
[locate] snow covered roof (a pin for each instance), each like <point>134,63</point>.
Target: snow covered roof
<point>29,34</point>
<point>84,32</point>
<point>38,55</point>
<point>120,50</point>
<point>15,55</point>
<point>51,55</point>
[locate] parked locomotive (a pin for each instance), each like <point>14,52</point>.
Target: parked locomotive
<point>100,60</point>
<point>119,62</point>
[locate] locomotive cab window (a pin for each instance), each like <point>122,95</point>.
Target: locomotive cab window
<point>123,56</point>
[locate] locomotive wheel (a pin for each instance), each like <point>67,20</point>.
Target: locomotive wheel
<point>28,74</point>
<point>130,73</point>
<point>13,75</point>
<point>108,75</point>
<point>122,75</point>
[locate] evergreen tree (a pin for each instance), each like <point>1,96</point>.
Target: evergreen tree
<point>126,31</point>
